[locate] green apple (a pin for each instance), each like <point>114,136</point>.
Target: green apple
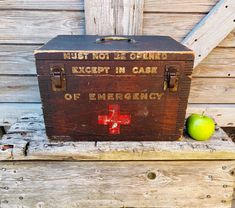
<point>200,127</point>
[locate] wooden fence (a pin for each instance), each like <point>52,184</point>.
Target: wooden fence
<point>25,25</point>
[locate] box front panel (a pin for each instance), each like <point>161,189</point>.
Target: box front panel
<point>112,100</point>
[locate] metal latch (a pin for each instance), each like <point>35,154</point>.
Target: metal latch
<point>171,78</point>
<point>58,80</point>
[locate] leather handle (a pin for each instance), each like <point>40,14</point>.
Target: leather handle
<point>114,38</point>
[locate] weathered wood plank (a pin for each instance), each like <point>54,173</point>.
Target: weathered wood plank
<point>222,113</point>
<point>229,41</point>
<point>211,30</point>
<point>149,5</point>
<point>97,183</point>
<point>10,112</point>
<point>117,184</point>
<point>185,150</point>
<point>106,17</point>
<point>19,59</point>
<point>100,17</point>
<point>57,22</point>
<point>179,5</point>
<point>219,63</point>
<point>38,21</point>
<point>174,25</point>
<point>42,4</point>
<point>38,26</point>
<point>203,90</point>
<point>26,140</point>
<point>233,202</point>
<point>212,90</point>
<point>19,89</point>
<point>177,26</point>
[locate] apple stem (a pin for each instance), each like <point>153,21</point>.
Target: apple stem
<point>203,112</point>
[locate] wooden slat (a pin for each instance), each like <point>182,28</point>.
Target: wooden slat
<point>32,144</point>
<point>105,177</point>
<point>203,90</point>
<point>10,112</point>
<point>174,25</point>
<point>223,114</point>
<point>59,22</point>
<point>179,5</point>
<point>177,26</point>
<point>19,89</point>
<point>38,26</point>
<point>149,5</point>
<point>106,17</point>
<point>116,184</point>
<point>19,59</point>
<point>42,4</point>
<point>100,17</point>
<point>211,30</point>
<point>216,90</point>
<point>219,63</point>
<point>27,140</point>
<point>229,41</point>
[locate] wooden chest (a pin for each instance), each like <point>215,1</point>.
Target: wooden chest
<point>114,88</point>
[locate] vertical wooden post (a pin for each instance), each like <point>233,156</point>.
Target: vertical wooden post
<point>114,17</point>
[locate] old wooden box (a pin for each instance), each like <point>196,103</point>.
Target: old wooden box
<point>114,88</point>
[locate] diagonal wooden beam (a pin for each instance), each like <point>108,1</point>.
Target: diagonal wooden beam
<point>119,17</point>
<point>211,30</point>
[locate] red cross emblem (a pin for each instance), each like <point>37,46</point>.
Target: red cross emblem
<point>114,119</point>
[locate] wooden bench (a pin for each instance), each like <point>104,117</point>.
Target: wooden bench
<point>35,172</point>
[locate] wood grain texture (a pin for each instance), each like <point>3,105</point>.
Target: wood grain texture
<point>42,4</point>
<point>115,184</point>
<point>203,90</point>
<point>19,89</point>
<point>26,140</point>
<point>33,145</point>
<point>177,26</point>
<point>233,202</point>
<point>229,41</point>
<point>99,182</point>
<point>149,5</point>
<point>164,119</point>
<point>64,22</point>
<point>216,90</point>
<point>10,112</point>
<point>219,63</point>
<point>122,17</point>
<point>174,25</point>
<point>99,17</point>
<point>19,59</point>
<point>38,26</point>
<point>211,30</point>
<point>222,113</point>
<point>179,5</point>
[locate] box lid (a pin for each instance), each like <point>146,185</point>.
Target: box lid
<point>95,43</point>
